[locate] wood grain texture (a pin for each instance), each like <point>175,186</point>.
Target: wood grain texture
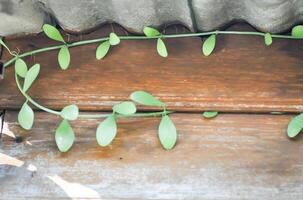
<point>243,75</point>
<point>229,157</point>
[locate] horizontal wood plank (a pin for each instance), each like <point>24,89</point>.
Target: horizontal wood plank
<point>243,75</point>
<point>229,157</point>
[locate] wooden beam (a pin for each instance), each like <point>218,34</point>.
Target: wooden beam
<point>243,75</point>
<point>230,157</point>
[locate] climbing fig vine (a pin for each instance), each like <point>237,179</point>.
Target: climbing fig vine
<point>106,131</point>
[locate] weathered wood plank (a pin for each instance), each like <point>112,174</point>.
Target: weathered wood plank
<point>229,157</point>
<point>242,75</point>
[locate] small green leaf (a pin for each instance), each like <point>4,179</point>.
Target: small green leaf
<point>70,112</point>
<point>295,126</point>
<point>102,50</point>
<point>106,131</point>
<point>65,136</point>
<point>52,32</point>
<point>268,39</point>
<point>31,76</point>
<point>167,133</point>
<point>125,108</point>
<point>64,57</point>
<point>26,117</point>
<point>209,45</point>
<point>161,48</point>
<point>21,67</point>
<point>297,31</point>
<point>151,32</point>
<point>146,99</point>
<point>114,39</point>
<point>210,114</point>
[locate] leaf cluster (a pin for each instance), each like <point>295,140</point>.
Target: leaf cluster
<point>107,130</point>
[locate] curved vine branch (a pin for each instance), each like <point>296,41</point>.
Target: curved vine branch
<point>98,40</point>
<point>87,116</point>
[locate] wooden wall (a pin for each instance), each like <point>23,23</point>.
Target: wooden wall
<point>244,153</point>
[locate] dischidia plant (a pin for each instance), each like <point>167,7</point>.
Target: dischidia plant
<point>107,130</point>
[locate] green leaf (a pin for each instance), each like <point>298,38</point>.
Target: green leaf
<point>65,136</point>
<point>125,108</point>
<point>106,131</point>
<point>26,117</point>
<point>209,45</point>
<point>297,31</point>
<point>21,67</point>
<point>210,114</point>
<point>151,32</point>
<point>268,39</point>
<point>102,50</point>
<point>52,32</point>
<point>161,48</point>
<point>70,112</point>
<point>146,99</point>
<point>167,133</point>
<point>31,76</point>
<point>114,39</point>
<point>64,57</point>
<point>295,126</point>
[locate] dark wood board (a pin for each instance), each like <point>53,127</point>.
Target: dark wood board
<point>230,157</point>
<point>243,75</point>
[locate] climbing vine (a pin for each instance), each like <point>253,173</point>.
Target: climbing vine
<point>107,130</point>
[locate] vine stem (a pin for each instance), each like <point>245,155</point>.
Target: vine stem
<point>92,41</point>
<point>28,98</point>
<point>87,116</point>
<point>152,114</point>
